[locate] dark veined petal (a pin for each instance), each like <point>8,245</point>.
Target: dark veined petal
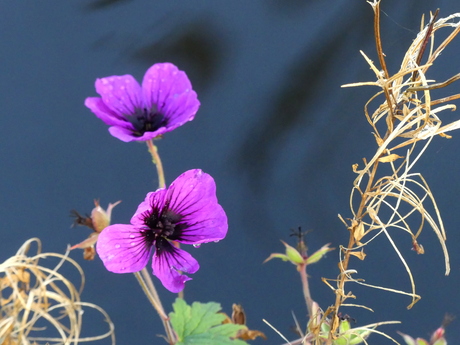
<point>181,109</point>
<point>169,90</point>
<point>166,263</point>
<point>122,94</point>
<point>122,248</point>
<point>193,196</point>
<point>152,201</point>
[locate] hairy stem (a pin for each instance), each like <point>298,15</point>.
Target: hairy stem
<point>157,161</point>
<point>147,286</point>
<point>306,289</point>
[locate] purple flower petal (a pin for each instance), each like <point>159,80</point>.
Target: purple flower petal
<point>125,134</point>
<point>170,91</point>
<point>186,212</point>
<point>164,102</point>
<point>181,110</point>
<point>153,200</point>
<point>166,263</point>
<point>98,107</point>
<point>193,196</point>
<point>122,248</point>
<point>122,94</point>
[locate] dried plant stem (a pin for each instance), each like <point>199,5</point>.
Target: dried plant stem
<point>376,7</point>
<point>340,295</point>
<point>408,119</point>
<point>157,161</point>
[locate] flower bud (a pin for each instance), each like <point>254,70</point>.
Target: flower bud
<point>100,217</point>
<point>98,221</point>
<point>293,254</point>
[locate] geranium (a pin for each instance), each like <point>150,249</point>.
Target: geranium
<point>186,212</point>
<point>164,102</point>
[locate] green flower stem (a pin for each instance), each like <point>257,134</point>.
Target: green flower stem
<point>305,288</point>
<point>157,161</point>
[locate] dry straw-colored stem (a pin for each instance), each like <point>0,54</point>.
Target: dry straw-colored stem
<point>387,196</point>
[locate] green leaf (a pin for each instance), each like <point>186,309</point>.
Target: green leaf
<point>180,316</point>
<point>318,255</point>
<point>201,323</point>
<point>210,339</point>
<point>227,330</point>
<point>277,255</point>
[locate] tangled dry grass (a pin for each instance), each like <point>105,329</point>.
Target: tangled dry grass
<point>39,305</point>
<point>387,193</point>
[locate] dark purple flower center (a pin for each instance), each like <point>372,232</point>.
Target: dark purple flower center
<point>147,120</point>
<point>162,225</point>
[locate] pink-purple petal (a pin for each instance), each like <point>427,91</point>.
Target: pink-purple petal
<point>193,196</point>
<point>124,134</point>
<point>163,81</point>
<point>122,94</point>
<point>212,227</point>
<point>98,107</point>
<point>122,248</point>
<point>167,264</point>
<point>151,135</point>
<point>170,91</point>
<point>187,212</point>
<point>181,109</point>
<point>130,109</point>
<point>153,200</point>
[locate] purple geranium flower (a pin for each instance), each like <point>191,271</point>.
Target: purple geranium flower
<point>186,212</point>
<point>164,102</point>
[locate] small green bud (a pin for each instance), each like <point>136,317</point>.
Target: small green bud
<point>293,254</point>
<point>344,326</point>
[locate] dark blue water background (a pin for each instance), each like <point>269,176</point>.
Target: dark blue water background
<point>275,130</point>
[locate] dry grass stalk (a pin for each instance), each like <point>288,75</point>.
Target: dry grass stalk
<point>386,194</point>
<point>34,297</point>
